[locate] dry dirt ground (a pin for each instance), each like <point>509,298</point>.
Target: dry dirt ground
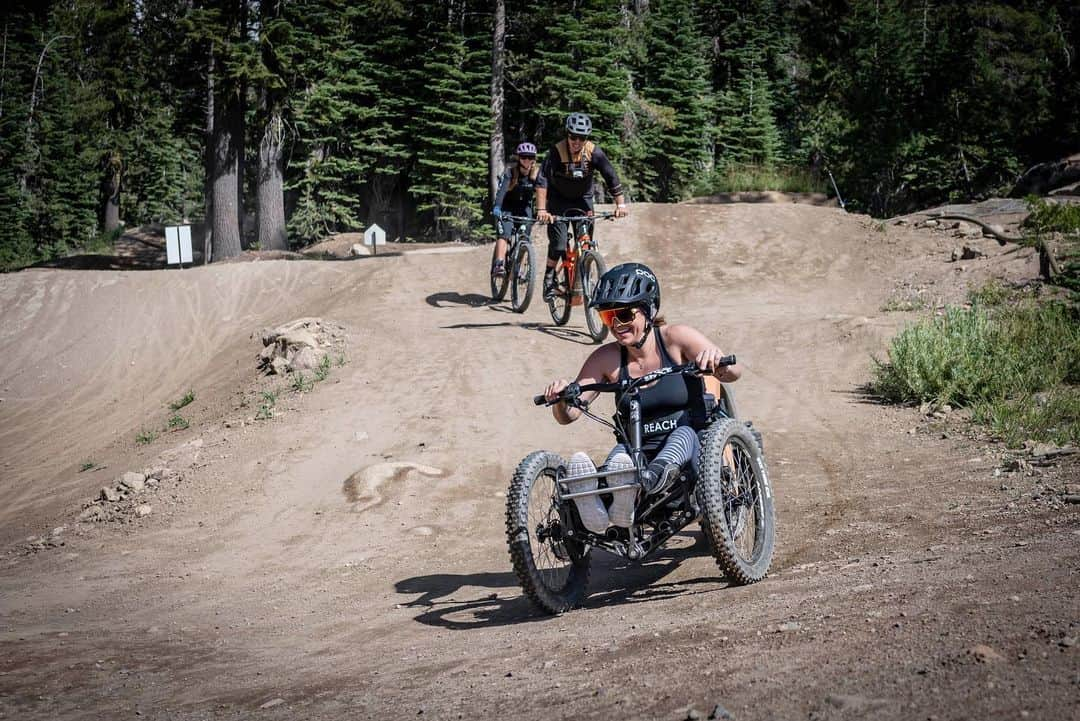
<point>346,558</point>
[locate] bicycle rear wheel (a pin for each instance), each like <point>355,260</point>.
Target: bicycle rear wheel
<point>523,276</point>
<point>499,284</point>
<point>592,267</point>
<point>559,302</point>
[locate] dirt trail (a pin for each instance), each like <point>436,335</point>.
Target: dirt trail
<point>348,559</point>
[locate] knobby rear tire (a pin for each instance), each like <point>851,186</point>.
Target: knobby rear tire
<point>498,285</point>
<point>553,575</point>
<point>559,304</point>
<point>592,267</point>
<point>523,274</point>
<point>737,514</point>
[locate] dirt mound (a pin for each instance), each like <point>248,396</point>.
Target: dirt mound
<point>340,546</point>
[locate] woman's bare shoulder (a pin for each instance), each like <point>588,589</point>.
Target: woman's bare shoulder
<point>603,363</point>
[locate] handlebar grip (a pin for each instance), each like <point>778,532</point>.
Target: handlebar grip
<point>728,360</point>
<point>539,400</point>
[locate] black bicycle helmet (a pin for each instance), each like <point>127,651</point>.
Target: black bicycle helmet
<point>578,123</point>
<point>628,284</point>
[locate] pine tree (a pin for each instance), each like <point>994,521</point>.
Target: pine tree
<point>582,65</point>
<point>675,77</point>
<point>749,40</point>
<point>348,115</point>
<point>450,130</point>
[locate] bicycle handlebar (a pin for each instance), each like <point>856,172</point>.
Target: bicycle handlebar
<point>573,390</point>
<point>606,215</point>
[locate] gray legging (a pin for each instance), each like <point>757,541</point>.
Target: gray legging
<point>681,446</point>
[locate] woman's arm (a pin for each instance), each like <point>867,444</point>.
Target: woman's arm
<point>692,345</point>
<point>592,371</point>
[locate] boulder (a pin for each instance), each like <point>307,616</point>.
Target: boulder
<point>133,481</point>
<point>306,359</point>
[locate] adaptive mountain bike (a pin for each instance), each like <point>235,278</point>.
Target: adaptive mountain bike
<point>578,273</point>
<point>550,545</point>
<point>520,275</point>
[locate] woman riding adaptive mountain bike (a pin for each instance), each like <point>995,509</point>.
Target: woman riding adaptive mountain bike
<point>681,454</point>
<point>578,272</point>
<point>521,274</point>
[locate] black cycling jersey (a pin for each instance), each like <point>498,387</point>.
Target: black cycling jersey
<point>665,405</point>
<point>516,200</point>
<point>569,184</point>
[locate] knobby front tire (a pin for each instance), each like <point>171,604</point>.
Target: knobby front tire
<point>553,573</point>
<point>559,304</point>
<point>736,501</point>
<point>592,267</point>
<point>498,285</point>
<point>523,275</point>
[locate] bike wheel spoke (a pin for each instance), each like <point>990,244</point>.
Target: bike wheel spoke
<point>541,514</point>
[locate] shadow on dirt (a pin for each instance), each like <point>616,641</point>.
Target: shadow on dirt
<point>615,581</point>
<point>446,298</point>
<point>575,336</point>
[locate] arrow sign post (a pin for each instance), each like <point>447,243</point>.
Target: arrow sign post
<point>374,236</point>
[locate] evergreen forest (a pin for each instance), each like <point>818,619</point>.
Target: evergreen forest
<point>278,122</point>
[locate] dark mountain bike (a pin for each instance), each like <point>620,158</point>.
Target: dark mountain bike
<point>520,276</point>
<point>550,545</point>
<point>578,273</point>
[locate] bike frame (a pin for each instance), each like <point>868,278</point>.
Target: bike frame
<point>522,233</point>
<point>577,244</point>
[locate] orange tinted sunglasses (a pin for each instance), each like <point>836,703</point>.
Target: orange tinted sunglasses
<point>623,315</point>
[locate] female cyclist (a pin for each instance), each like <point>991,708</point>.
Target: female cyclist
<point>628,300</point>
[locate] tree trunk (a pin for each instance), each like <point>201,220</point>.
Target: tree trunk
<point>225,193</point>
<point>111,191</point>
<point>208,163</point>
<point>498,54</point>
<point>271,197</point>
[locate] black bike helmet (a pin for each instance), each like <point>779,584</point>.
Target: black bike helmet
<point>628,284</point>
<point>578,123</point>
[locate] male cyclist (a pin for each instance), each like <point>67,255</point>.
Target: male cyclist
<point>566,181</point>
<point>514,197</point>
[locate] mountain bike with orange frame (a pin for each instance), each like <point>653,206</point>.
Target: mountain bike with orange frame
<point>577,274</point>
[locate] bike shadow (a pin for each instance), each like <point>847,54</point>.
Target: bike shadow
<point>448,298</point>
<point>615,581</point>
<point>560,332</point>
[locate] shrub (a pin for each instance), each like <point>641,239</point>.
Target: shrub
<point>995,359</point>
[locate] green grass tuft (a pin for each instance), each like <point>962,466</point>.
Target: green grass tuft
<point>146,437</point>
<point>177,422</point>
<point>302,384</point>
<point>323,371</point>
<point>184,400</point>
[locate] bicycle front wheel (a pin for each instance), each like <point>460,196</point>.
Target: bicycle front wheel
<point>499,283</point>
<point>559,300</point>
<point>522,276</point>
<point>592,267</point>
<point>553,570</point>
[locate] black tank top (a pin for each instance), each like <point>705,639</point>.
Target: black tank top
<point>664,404</point>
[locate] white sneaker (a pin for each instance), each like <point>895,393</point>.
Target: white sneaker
<point>591,509</point>
<point>621,511</point>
